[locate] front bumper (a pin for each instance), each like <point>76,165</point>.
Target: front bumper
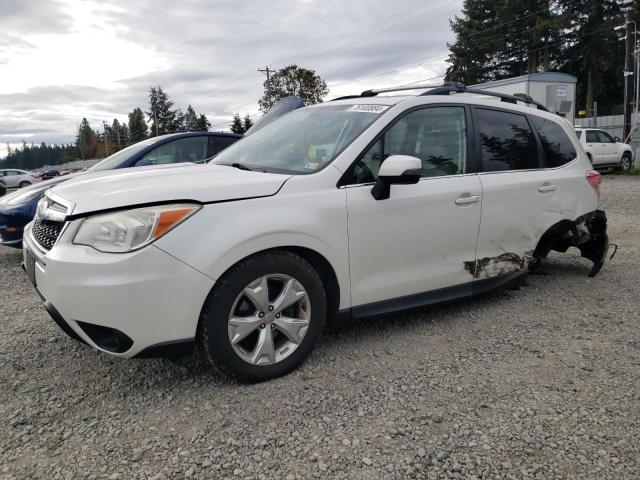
<point>122,304</point>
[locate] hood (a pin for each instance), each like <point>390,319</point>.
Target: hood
<point>142,185</point>
<point>27,194</point>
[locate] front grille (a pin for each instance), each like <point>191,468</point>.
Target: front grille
<point>46,232</point>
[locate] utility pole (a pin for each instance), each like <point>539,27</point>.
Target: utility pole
<point>268,72</point>
<point>628,72</point>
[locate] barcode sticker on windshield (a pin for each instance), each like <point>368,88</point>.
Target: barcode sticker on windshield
<point>368,108</point>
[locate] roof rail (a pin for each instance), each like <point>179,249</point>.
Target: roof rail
<point>452,87</point>
<point>448,88</point>
<point>373,93</point>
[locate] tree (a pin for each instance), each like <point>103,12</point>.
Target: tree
<point>117,137</point>
<point>86,140</point>
<point>236,124</point>
<point>126,141</point>
<point>497,39</point>
<point>247,123</point>
<point>595,55</point>
<point>138,129</point>
<point>203,124</point>
<point>164,119</point>
<point>190,120</point>
<point>293,80</point>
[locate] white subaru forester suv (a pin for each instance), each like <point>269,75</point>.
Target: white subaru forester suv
<point>353,208</point>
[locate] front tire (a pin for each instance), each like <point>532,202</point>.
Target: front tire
<point>263,317</point>
<point>625,163</point>
<point>24,184</point>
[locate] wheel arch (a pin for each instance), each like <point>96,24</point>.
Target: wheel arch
<point>319,263</point>
<point>588,233</point>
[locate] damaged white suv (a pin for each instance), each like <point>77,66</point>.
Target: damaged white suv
<point>357,207</point>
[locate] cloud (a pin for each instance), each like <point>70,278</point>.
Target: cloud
<point>66,60</point>
<point>34,15</point>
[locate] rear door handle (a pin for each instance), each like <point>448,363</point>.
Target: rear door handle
<point>546,187</point>
<point>467,199</point>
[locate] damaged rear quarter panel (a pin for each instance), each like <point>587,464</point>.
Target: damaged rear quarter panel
<point>515,214</point>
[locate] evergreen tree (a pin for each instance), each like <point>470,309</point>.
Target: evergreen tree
<point>497,39</point>
<point>164,119</point>
<point>116,135</point>
<point>86,140</point>
<point>595,55</point>
<point>236,124</point>
<point>293,80</point>
<point>138,129</point>
<point>247,123</point>
<point>126,141</point>
<point>203,124</point>
<point>190,120</point>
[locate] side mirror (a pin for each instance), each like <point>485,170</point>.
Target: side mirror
<point>399,170</point>
<point>616,139</point>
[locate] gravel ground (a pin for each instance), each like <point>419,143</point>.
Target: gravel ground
<point>542,382</point>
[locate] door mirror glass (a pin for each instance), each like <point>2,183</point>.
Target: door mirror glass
<point>399,170</point>
<point>616,139</point>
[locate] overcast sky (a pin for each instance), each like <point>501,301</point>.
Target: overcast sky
<point>67,59</point>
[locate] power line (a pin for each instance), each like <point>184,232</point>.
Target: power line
<point>340,44</point>
<point>397,15</point>
<point>343,44</point>
<point>515,19</point>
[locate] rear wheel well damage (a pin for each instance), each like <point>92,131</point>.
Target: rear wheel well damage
<point>588,233</point>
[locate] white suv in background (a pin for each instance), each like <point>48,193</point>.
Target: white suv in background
<point>603,150</point>
<point>353,208</point>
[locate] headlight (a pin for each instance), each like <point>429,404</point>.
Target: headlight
<point>129,230</point>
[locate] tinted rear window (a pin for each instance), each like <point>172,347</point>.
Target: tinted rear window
<point>507,141</point>
<point>556,145</point>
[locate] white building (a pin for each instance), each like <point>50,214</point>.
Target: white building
<point>556,91</point>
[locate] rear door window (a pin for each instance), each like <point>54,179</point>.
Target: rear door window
<point>556,146</point>
<point>506,141</point>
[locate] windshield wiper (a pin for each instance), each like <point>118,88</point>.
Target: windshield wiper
<point>242,166</point>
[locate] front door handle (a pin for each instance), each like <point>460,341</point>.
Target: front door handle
<point>467,199</point>
<point>546,187</point>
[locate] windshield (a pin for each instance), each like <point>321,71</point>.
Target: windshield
<point>113,161</point>
<point>302,141</point>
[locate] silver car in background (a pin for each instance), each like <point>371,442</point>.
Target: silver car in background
<point>15,178</point>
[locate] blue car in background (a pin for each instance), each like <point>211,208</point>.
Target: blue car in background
<point>18,208</point>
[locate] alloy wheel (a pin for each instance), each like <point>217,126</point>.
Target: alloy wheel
<point>269,319</point>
